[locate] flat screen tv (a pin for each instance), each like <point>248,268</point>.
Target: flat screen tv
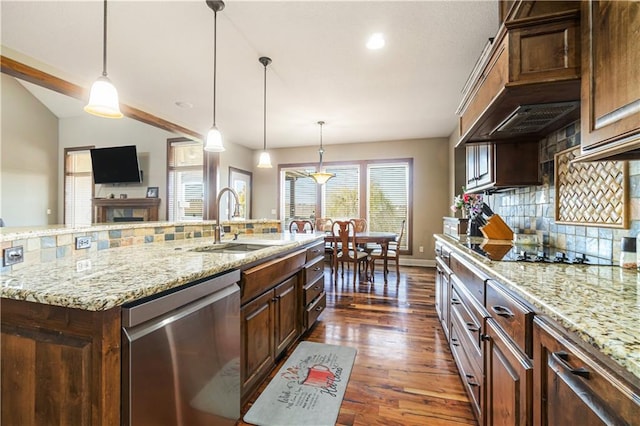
<point>118,164</point>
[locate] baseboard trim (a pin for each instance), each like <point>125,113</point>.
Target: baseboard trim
<point>426,263</point>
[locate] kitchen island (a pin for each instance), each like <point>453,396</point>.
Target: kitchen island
<point>543,342</point>
<point>61,319</point>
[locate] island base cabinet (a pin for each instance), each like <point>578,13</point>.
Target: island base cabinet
<point>60,366</point>
<point>509,380</point>
<point>573,388</point>
<point>270,324</point>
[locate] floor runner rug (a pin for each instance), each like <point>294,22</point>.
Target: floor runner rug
<point>307,390</point>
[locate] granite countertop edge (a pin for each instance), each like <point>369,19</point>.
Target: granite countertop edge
<point>109,278</point>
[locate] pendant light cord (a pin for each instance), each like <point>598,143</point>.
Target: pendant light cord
<point>104,40</point>
<point>320,151</point>
<point>215,31</point>
<point>264,146</point>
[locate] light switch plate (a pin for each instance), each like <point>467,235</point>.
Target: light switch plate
<point>83,243</point>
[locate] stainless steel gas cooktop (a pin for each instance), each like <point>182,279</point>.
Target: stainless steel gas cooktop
<point>537,254</point>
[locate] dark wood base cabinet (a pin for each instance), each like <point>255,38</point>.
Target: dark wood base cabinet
<point>60,366</point>
<point>509,380</point>
<point>574,388</point>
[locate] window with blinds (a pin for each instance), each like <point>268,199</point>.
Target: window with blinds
<point>78,186</point>
<point>388,197</point>
<point>341,194</point>
<point>299,195</point>
<point>185,189</point>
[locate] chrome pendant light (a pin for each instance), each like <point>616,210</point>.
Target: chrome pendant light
<point>213,142</point>
<point>265,158</point>
<point>321,177</point>
<point>103,99</point>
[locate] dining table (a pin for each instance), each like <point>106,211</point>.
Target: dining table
<point>370,237</point>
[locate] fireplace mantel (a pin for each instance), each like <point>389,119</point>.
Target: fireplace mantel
<point>101,207</point>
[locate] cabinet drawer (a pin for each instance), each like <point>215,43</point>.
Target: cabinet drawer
<point>470,276</point>
<point>470,374</point>
<point>260,278</point>
<point>315,251</point>
<point>575,387</point>
<point>312,313</point>
<point>313,289</point>
<point>314,270</point>
<point>469,330</point>
<point>515,319</point>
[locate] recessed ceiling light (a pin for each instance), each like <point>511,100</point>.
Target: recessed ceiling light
<point>376,41</point>
<point>185,105</point>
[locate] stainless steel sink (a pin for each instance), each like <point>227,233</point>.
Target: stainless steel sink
<point>230,248</point>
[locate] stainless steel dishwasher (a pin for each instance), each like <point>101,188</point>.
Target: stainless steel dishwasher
<point>181,355</point>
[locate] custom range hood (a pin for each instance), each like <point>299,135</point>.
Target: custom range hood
<point>526,82</point>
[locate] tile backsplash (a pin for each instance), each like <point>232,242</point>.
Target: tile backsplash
<point>532,209</point>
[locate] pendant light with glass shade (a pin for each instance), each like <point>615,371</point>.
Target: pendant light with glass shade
<point>103,98</point>
<point>321,177</point>
<point>265,158</point>
<point>213,142</point>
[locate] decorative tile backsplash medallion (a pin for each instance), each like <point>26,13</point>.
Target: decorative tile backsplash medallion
<point>591,193</point>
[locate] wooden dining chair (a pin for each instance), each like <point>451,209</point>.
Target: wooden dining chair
<point>300,225</point>
<point>324,224</point>
<point>393,253</point>
<point>344,251</point>
<point>360,224</point>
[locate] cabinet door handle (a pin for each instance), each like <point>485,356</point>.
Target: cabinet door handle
<point>503,312</point>
<point>485,338</point>
<point>472,327</point>
<point>561,358</point>
<point>454,341</point>
<point>471,380</point>
<point>275,299</point>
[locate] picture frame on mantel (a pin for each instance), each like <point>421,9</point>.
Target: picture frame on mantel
<point>152,192</point>
<point>242,182</point>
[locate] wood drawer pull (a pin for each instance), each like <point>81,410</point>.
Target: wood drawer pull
<point>503,312</point>
<point>561,358</point>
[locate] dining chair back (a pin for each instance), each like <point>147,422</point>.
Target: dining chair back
<point>324,224</point>
<point>300,225</point>
<point>361,225</point>
<point>344,244</point>
<point>393,253</point>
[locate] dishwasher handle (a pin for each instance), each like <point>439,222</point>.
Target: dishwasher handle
<point>142,330</point>
<point>137,313</point>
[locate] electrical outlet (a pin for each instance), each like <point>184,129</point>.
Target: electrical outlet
<point>83,243</point>
<point>421,249</point>
<point>12,255</point>
<point>83,265</point>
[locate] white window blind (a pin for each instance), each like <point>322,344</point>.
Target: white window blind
<point>388,197</point>
<point>185,190</point>
<point>342,193</point>
<point>299,195</point>
<point>78,187</point>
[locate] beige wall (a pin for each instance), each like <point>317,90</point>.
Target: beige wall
<point>28,163</point>
<point>431,186</point>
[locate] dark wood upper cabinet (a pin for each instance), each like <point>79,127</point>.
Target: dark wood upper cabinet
<point>610,84</point>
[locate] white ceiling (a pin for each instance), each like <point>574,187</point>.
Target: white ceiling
<point>161,52</point>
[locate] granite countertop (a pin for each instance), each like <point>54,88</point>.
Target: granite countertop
<point>109,278</point>
<point>600,304</point>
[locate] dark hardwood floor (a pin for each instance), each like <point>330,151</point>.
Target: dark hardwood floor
<point>404,373</point>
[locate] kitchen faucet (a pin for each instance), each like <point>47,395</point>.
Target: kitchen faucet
<point>217,230</point>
